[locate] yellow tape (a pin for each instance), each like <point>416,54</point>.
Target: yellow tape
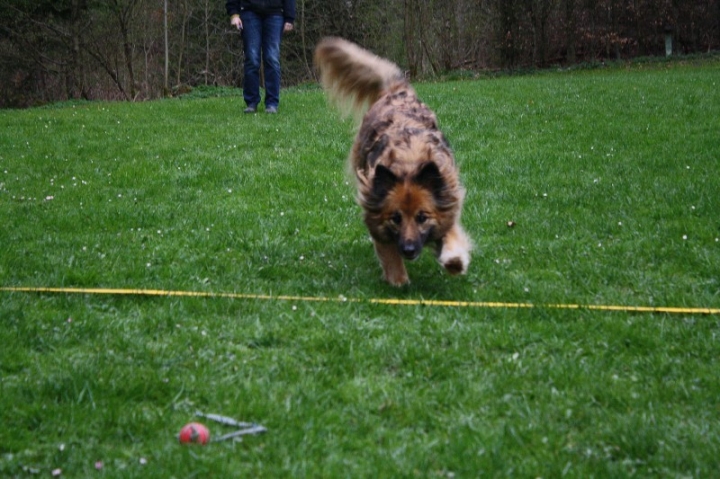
<point>341,299</point>
<point>388,301</point>
<point>592,307</point>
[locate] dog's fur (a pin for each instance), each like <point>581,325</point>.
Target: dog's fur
<point>407,179</point>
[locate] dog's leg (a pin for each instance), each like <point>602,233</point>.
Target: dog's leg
<point>454,251</point>
<point>392,263</point>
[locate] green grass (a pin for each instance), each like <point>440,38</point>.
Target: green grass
<point>612,178</point>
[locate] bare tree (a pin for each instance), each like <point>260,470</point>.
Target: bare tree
<point>570,31</point>
<point>166,70</point>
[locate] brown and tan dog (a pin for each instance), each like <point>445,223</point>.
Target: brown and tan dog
<point>407,179</point>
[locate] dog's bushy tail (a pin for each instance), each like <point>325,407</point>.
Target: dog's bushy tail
<point>353,77</point>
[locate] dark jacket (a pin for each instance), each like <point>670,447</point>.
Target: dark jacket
<point>286,8</point>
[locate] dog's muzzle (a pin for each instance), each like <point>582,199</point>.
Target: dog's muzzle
<point>410,250</point>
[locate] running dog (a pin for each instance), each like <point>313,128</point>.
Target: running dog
<point>407,179</point>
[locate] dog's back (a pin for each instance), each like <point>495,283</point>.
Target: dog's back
<point>396,120</point>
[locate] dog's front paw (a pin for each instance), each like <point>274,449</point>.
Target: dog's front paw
<point>455,252</point>
<point>392,263</point>
<point>397,279</point>
<point>455,266</point>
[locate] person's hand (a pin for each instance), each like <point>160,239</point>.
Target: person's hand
<point>236,22</point>
<point>288,27</point>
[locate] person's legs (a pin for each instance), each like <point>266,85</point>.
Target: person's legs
<point>272,34</point>
<point>252,40</point>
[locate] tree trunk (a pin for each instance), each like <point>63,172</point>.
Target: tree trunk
<point>410,41</point>
<point>570,54</point>
<point>123,16</point>
<point>166,71</point>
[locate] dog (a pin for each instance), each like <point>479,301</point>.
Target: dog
<point>407,180</point>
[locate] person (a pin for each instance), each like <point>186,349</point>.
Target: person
<point>262,23</point>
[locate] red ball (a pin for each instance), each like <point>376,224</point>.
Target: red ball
<point>194,432</point>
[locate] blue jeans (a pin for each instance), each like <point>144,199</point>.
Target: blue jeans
<point>261,35</point>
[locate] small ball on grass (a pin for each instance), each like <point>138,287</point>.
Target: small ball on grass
<point>194,433</point>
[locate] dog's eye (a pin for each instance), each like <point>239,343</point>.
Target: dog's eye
<point>396,218</point>
<point>421,217</point>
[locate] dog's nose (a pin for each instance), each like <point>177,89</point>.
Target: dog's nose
<point>410,250</point>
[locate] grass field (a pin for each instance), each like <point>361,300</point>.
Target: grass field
<point>611,178</point>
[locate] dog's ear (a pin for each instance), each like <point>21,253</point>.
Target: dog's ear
<point>430,178</point>
<point>383,181</point>
<point>377,149</point>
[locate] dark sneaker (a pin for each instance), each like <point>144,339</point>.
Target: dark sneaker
<point>250,109</point>
<point>270,109</point>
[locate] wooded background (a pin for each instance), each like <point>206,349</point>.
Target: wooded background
<point>53,50</point>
